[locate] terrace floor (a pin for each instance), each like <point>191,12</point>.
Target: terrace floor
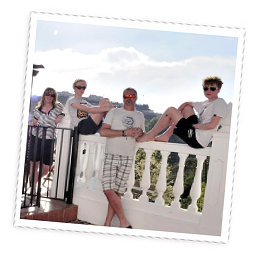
<point>52,210</point>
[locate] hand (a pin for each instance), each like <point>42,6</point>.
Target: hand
<point>34,122</point>
<point>58,119</point>
<point>134,132</point>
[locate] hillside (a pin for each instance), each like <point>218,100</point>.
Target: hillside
<point>150,116</point>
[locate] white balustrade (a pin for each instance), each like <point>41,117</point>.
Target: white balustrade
<point>162,180</point>
<point>92,203</point>
<point>195,191</point>
<point>131,180</point>
<point>146,178</point>
<point>178,187</point>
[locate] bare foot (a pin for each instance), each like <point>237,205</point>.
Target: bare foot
<point>166,135</point>
<point>145,138</point>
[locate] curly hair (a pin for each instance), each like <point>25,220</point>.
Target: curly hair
<point>212,80</point>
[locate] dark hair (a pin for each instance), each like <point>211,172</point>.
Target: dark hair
<point>212,80</point>
<point>78,80</point>
<point>130,88</point>
<point>42,100</point>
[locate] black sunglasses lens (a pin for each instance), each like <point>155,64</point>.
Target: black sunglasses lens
<point>211,88</point>
<point>79,87</point>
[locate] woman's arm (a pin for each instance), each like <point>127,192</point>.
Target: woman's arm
<point>210,125</point>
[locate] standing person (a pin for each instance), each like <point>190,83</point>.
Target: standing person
<point>48,113</point>
<point>196,131</point>
<point>87,117</point>
<point>121,127</point>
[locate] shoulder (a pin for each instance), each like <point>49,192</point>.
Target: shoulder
<point>140,114</point>
<point>73,100</point>
<point>220,101</point>
<point>59,105</point>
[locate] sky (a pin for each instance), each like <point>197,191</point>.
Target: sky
<point>165,67</point>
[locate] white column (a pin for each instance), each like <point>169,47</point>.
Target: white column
<point>212,213</point>
<point>146,179</point>
<point>195,191</point>
<point>178,188</point>
<point>62,157</point>
<point>162,181</point>
<point>131,180</point>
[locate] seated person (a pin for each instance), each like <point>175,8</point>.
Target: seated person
<point>196,131</point>
<point>87,117</point>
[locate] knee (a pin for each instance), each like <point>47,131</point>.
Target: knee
<point>104,102</point>
<point>171,110</point>
<point>108,192</point>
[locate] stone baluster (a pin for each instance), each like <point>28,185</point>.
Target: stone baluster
<point>90,164</point>
<point>101,161</point>
<point>82,163</point>
<point>131,180</point>
<point>145,183</point>
<point>178,187</point>
<point>195,191</point>
<point>162,181</point>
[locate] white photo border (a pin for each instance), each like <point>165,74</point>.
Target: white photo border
<point>142,24</point>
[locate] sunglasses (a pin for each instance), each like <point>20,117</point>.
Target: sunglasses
<point>52,95</point>
<point>129,96</point>
<point>80,87</point>
<point>211,88</point>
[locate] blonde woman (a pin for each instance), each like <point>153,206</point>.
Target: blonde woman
<point>86,116</point>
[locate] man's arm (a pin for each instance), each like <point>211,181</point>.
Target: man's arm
<point>106,131</point>
<point>210,125</point>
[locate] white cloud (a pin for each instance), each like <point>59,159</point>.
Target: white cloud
<point>159,84</point>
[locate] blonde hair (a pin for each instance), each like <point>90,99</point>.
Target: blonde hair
<point>78,80</point>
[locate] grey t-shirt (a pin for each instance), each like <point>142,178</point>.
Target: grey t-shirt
<point>120,119</point>
<point>77,115</point>
<point>206,110</point>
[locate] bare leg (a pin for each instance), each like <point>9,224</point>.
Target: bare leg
<point>45,169</point>
<point>165,136</point>
<point>97,117</point>
<point>115,202</point>
<point>170,116</point>
<point>188,111</point>
<point>110,215</point>
<point>33,182</point>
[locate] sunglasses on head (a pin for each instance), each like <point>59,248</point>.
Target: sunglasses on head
<point>211,88</point>
<point>80,87</point>
<point>52,95</point>
<point>129,96</point>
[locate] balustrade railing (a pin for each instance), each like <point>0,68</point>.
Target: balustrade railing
<point>90,161</point>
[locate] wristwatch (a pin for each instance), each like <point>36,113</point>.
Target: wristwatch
<point>124,133</point>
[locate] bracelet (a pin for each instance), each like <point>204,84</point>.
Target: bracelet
<point>124,133</point>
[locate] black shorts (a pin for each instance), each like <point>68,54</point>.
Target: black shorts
<point>48,150</point>
<point>186,131</point>
<point>88,127</point>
